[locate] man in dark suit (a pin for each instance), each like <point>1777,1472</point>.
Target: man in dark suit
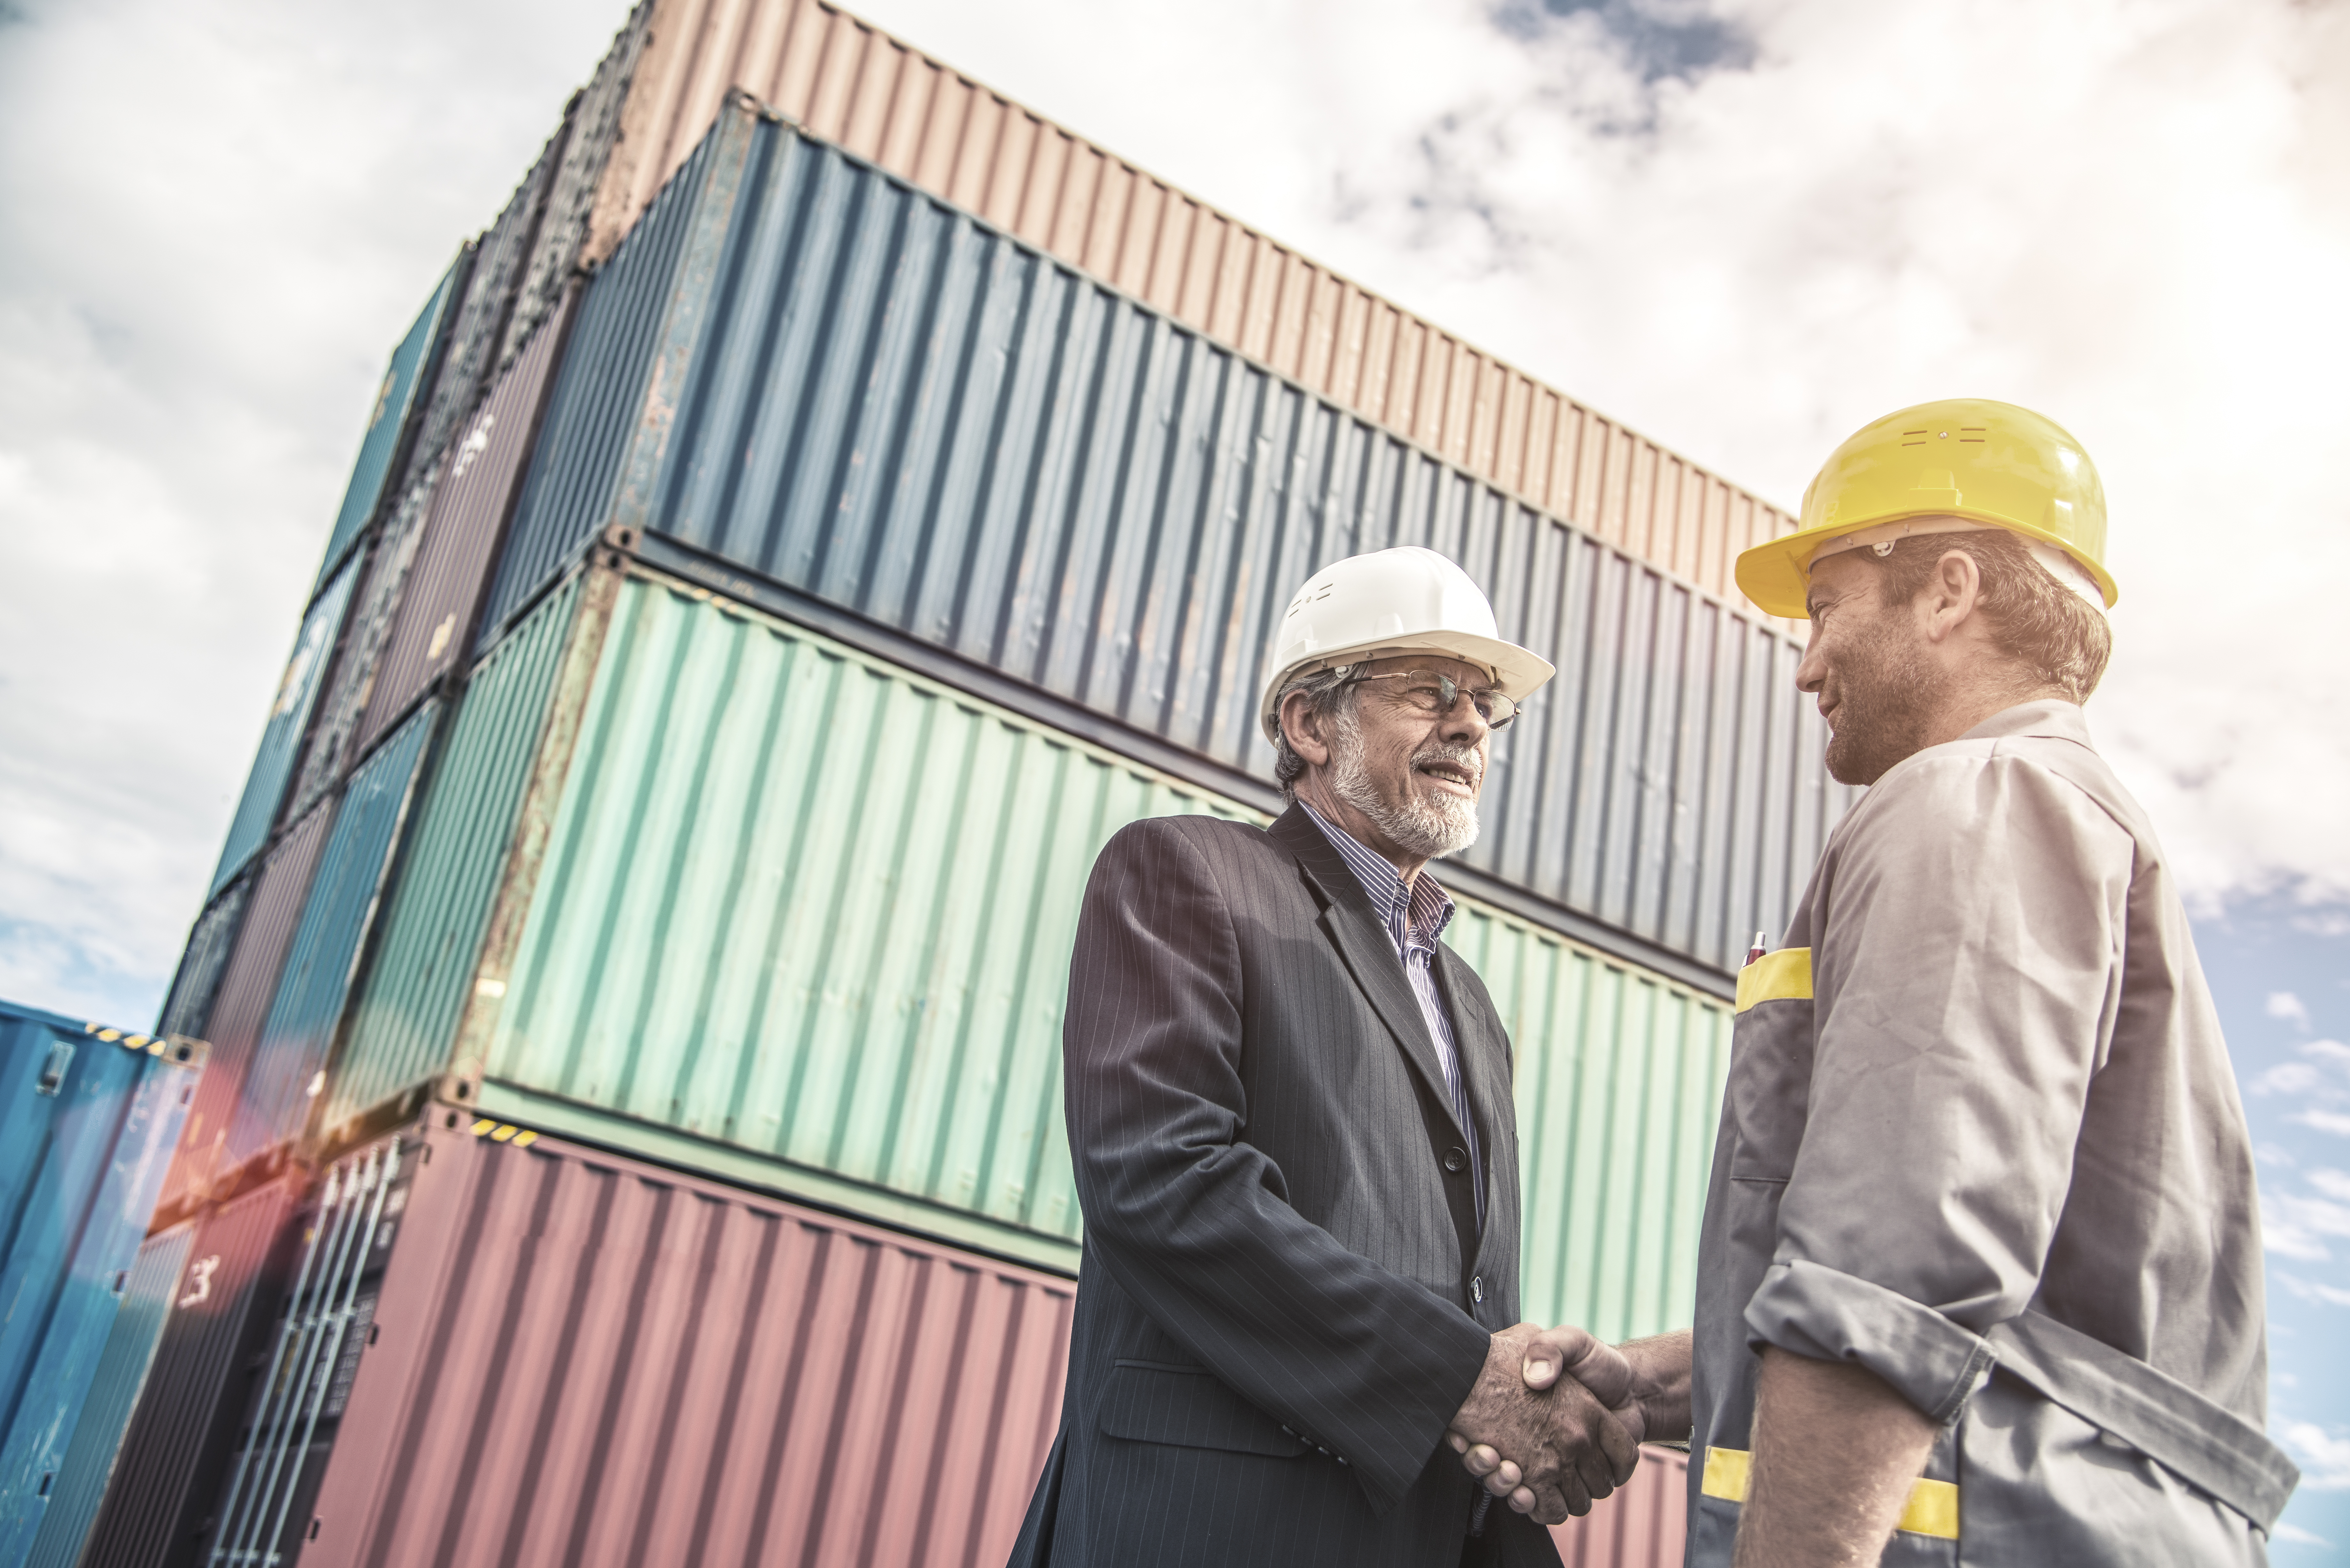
<point>1296,1143</point>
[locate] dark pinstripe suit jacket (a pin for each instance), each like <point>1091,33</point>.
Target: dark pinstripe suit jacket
<point>1285,1296</point>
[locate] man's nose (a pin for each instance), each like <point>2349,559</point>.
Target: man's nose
<point>1813,670</point>
<point>1464,725</point>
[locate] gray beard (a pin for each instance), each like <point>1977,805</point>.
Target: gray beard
<point>1430,829</point>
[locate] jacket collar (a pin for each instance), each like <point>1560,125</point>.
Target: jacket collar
<point>2052,718</point>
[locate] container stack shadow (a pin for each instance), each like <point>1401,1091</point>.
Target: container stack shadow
<point>632,981</point>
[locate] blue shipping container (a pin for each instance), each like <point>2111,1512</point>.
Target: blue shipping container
<point>291,1055</point>
<point>281,738</point>
<point>802,366</point>
<point>113,1395</point>
<point>387,418</point>
<point>87,1120</point>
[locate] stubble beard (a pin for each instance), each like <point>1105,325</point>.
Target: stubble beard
<point>1431,827</point>
<point>1888,695</point>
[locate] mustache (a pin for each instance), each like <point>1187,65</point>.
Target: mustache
<point>1465,758</point>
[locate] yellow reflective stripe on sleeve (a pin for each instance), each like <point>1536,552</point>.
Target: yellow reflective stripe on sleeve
<point>1932,1510</point>
<point>1776,977</point>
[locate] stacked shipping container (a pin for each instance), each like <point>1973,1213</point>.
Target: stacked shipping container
<point>673,820</point>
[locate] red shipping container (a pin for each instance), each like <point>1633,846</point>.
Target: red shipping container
<point>1644,1525</point>
<point>514,1349</point>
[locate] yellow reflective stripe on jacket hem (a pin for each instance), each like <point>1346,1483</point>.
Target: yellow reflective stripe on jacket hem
<point>1933,1508</point>
<point>1776,977</point>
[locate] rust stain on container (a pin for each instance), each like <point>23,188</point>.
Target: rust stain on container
<point>504,1347</point>
<point>433,627</point>
<point>849,82</point>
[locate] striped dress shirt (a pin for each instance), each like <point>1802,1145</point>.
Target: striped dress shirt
<point>1415,916</point>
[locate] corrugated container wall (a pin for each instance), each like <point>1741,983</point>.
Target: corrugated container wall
<point>189,1006</point>
<point>508,1348</point>
<point>87,1118</point>
<point>1644,1525</point>
<point>434,627</point>
<point>406,1016</point>
<point>782,913</point>
<point>282,736</point>
<point>249,983</point>
<point>920,121</point>
<point>327,943</point>
<point>334,744</point>
<point>114,1393</point>
<point>175,1455</point>
<point>382,448</point>
<point>804,367</point>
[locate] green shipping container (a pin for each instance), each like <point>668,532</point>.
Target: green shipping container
<point>709,886</point>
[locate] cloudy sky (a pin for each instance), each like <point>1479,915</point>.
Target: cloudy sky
<point>1744,226</point>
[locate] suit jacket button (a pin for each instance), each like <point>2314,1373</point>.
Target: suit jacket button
<point>1456,1160</point>
<point>1477,1288</point>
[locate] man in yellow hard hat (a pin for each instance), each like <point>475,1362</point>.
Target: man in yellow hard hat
<point>1979,1278</point>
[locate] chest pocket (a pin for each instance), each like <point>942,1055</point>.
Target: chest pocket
<point>1770,1064</point>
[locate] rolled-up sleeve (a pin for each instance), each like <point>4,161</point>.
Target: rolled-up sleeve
<point>1966,983</point>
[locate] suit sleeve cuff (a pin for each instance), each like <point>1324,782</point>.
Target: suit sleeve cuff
<point>1828,1316</point>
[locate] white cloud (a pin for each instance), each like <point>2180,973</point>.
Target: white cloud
<point>2331,1051</point>
<point>2325,1456</point>
<point>2297,1535</point>
<point>2287,1079</point>
<point>2285,1004</point>
<point>217,216</point>
<point>2274,1154</point>
<point>2333,1183</point>
<point>2332,1295</point>
<point>2334,1122</point>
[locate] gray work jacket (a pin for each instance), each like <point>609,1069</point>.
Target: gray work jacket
<point>1981,1136</point>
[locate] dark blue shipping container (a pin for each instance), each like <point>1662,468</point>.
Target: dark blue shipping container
<point>413,363</point>
<point>88,1118</point>
<point>281,738</point>
<point>358,857</point>
<point>801,367</point>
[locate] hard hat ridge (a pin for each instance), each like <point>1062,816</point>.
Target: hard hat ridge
<point>1409,599</point>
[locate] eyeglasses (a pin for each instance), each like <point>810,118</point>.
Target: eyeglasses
<point>1432,693</point>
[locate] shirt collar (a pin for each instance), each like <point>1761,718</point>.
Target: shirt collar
<point>1425,908</point>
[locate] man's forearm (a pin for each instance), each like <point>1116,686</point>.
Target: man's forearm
<point>1835,1450</point>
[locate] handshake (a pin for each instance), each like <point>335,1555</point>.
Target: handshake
<point>1556,1419</point>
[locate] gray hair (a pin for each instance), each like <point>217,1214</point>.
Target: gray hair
<point>1329,694</point>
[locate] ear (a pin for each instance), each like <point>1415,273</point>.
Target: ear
<point>1303,729</point>
<point>1951,595</point>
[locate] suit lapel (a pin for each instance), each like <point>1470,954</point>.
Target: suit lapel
<point>1355,930</point>
<point>1485,1061</point>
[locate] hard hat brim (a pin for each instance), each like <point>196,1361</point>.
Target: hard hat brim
<point>1517,673</point>
<point>1776,575</point>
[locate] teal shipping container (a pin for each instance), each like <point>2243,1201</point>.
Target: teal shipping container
<point>87,1119</point>
<point>281,736</point>
<point>274,1104</point>
<point>701,884</point>
<point>114,1393</point>
<point>414,364</point>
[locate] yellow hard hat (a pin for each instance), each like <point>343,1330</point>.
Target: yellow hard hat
<point>1966,460</point>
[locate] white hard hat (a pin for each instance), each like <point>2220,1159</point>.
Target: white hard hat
<point>1391,602</point>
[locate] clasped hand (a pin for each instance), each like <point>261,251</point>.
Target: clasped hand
<point>1553,1423</point>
